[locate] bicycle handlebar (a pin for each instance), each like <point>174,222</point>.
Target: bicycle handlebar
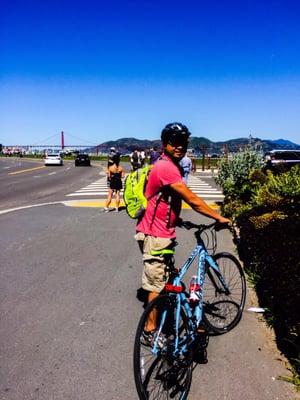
<point>217,226</point>
<point>201,230</point>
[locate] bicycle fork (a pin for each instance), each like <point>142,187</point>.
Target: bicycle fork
<point>175,351</point>
<point>224,288</point>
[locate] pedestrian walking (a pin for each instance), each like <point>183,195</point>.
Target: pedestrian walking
<point>194,165</point>
<point>115,175</point>
<point>142,158</point>
<point>110,162</point>
<point>186,165</point>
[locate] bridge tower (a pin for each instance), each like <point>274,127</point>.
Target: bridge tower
<point>62,140</point>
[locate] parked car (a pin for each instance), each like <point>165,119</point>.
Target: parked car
<point>281,160</point>
<point>53,159</point>
<point>82,159</point>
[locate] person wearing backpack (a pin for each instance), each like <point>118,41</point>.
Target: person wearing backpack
<point>155,230</point>
<point>135,159</point>
<point>142,158</point>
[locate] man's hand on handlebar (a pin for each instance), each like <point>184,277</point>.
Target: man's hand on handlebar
<point>223,220</point>
<point>223,223</point>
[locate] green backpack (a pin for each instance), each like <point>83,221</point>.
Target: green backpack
<point>134,192</point>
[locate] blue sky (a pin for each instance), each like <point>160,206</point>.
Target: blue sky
<point>105,70</point>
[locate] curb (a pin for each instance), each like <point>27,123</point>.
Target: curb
<point>84,204</point>
<point>101,203</point>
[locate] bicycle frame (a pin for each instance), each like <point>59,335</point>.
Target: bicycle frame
<point>195,314</point>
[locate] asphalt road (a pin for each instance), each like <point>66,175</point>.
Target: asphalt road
<point>24,182</point>
<point>68,282</point>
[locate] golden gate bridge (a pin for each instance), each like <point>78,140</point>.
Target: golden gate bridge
<point>61,146</point>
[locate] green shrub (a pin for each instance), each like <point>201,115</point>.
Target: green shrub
<point>266,209</point>
<point>257,177</point>
<point>234,174</point>
<point>279,190</point>
<point>269,249</point>
<point>263,193</point>
<point>262,221</point>
<point>234,208</point>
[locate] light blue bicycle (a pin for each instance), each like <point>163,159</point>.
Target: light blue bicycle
<point>164,359</point>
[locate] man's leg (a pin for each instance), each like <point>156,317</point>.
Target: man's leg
<point>155,271</point>
<point>152,318</point>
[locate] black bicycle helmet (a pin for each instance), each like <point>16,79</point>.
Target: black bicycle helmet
<point>174,131</point>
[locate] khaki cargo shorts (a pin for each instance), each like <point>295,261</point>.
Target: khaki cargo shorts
<point>154,274</point>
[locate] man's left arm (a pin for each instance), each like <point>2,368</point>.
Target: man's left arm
<point>197,203</point>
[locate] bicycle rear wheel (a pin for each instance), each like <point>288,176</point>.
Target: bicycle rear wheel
<point>158,373</point>
<point>223,309</point>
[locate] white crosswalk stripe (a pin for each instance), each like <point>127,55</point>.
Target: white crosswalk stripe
<point>97,188</point>
<point>195,183</point>
<point>204,189</point>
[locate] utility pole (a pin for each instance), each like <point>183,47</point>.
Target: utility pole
<point>226,151</point>
<point>203,150</point>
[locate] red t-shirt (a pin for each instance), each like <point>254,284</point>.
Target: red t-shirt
<point>155,219</point>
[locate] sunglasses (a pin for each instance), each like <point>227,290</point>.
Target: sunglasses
<point>175,142</point>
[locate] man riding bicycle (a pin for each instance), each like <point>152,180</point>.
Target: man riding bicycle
<point>165,191</point>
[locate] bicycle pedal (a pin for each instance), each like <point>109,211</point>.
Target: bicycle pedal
<point>200,356</point>
<point>201,329</point>
<point>202,337</point>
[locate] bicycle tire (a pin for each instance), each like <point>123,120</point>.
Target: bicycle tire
<point>222,311</point>
<point>162,375</point>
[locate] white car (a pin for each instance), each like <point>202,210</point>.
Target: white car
<point>53,159</point>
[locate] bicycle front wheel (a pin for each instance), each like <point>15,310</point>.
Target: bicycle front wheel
<point>159,372</point>
<point>223,308</point>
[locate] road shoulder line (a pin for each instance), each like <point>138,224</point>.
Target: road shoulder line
<point>8,210</point>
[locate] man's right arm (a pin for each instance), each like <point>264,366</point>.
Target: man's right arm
<point>197,203</point>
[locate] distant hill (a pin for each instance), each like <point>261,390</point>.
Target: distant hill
<point>283,144</point>
<point>127,145</point>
